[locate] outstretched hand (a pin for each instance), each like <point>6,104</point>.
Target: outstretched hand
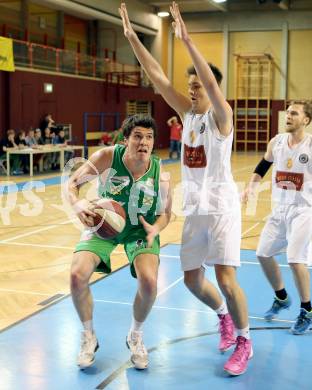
<point>246,195</point>
<point>151,231</point>
<point>178,23</point>
<point>128,30</point>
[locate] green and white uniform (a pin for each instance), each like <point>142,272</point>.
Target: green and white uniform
<point>138,197</point>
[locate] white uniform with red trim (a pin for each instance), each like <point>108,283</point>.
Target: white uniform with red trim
<point>212,228</point>
<point>290,224</point>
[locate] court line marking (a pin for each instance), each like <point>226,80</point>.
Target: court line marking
<point>121,253</point>
<point>59,292</point>
<point>242,169</point>
<point>37,245</point>
<point>255,225</point>
<point>207,312</point>
<point>168,287</point>
<point>131,303</point>
<point>166,344</point>
<point>26,292</point>
<point>37,231</point>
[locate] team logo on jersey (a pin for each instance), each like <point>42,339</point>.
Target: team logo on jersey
<point>289,180</point>
<point>289,163</point>
<point>116,190</point>
<point>303,158</point>
<point>139,244</point>
<point>148,201</point>
<point>117,184</point>
<point>194,157</point>
<point>202,128</point>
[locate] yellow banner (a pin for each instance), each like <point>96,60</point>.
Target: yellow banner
<point>6,54</point>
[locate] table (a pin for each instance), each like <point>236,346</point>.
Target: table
<point>42,150</point>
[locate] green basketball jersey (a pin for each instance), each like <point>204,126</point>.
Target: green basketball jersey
<point>138,197</point>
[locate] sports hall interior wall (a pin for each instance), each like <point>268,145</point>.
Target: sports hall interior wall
<point>287,36</point>
<point>26,102</point>
<point>298,85</point>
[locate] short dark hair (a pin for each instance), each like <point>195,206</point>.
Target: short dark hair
<point>138,120</point>
<point>306,107</point>
<point>216,72</point>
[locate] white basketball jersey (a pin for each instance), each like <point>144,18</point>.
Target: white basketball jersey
<point>208,185</point>
<point>292,171</point>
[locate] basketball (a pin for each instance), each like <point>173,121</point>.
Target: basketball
<point>110,218</point>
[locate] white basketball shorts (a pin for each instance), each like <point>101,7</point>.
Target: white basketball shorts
<point>288,227</point>
<point>211,239</point>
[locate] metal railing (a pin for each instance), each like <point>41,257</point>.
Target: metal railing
<point>38,56</point>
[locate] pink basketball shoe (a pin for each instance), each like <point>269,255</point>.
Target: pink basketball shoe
<point>237,363</point>
<point>227,331</point>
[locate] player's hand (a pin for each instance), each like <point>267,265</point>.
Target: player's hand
<point>178,23</point>
<point>151,231</point>
<point>128,30</point>
<point>84,210</point>
<point>247,194</point>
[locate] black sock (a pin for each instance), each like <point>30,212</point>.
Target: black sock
<point>281,294</point>
<point>306,305</point>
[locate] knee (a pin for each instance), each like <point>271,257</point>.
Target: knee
<point>148,286</point>
<point>190,281</point>
<point>227,287</point>
<point>78,281</point>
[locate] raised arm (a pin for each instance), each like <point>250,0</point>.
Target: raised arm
<point>176,100</point>
<point>222,110</point>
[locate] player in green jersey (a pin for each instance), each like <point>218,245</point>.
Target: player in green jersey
<point>130,175</point>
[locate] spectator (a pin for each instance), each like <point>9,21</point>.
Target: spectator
<point>21,139</point>
<point>21,142</point>
<point>46,122</point>
<point>48,158</point>
<point>60,140</point>
<point>47,136</point>
<point>175,136</point>
<point>9,143</point>
<point>38,158</point>
<point>30,138</point>
<point>106,139</point>
<point>38,137</point>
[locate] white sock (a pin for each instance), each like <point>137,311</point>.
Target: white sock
<point>135,325</point>
<point>222,309</point>
<point>244,332</point>
<point>88,326</point>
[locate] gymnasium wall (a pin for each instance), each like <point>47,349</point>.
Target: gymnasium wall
<point>255,42</point>
<point>250,32</point>
<point>27,103</point>
<point>4,96</point>
<point>75,30</point>
<point>165,31</point>
<point>42,20</point>
<point>209,44</point>
<point>300,61</point>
